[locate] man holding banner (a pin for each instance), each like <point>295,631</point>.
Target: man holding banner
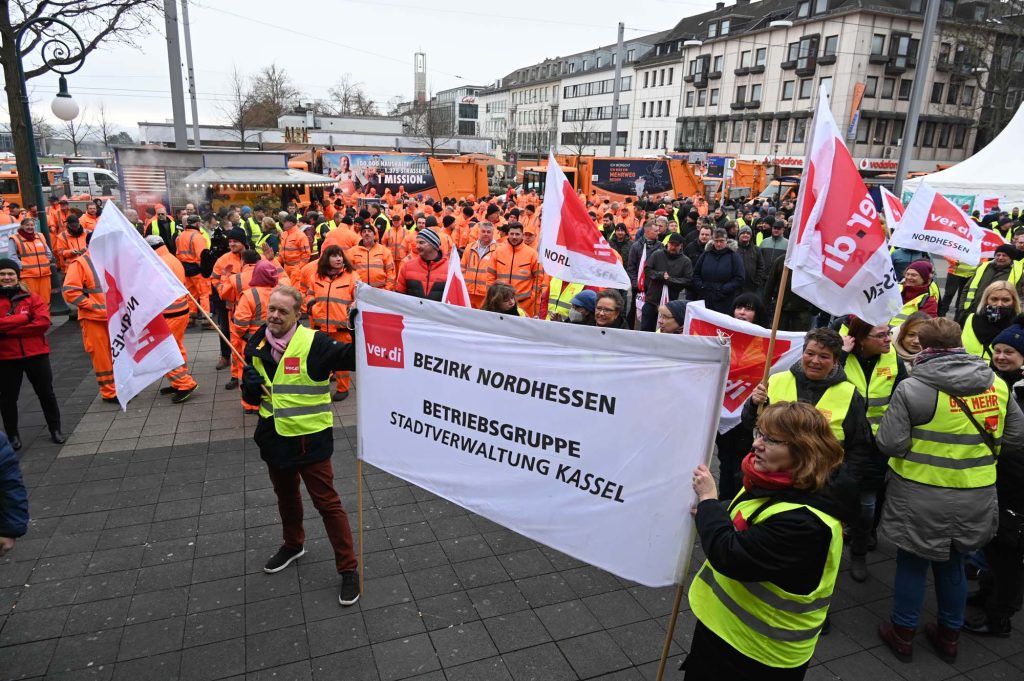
<point>287,373</point>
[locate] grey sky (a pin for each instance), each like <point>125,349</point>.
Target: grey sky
<point>373,40</point>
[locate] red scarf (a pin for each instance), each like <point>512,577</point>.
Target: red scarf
<point>754,478</point>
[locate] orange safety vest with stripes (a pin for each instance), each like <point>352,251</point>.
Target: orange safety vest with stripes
<point>179,306</point>
<point>330,299</point>
<point>251,311</point>
<point>295,249</point>
<point>475,268</point>
<point>35,261</point>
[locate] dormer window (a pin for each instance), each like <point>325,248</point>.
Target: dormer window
<point>713,29</point>
<point>724,30</point>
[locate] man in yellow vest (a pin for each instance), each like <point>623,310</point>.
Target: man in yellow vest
<point>295,428</point>
<point>944,430</point>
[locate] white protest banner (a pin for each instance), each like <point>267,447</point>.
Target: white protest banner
<point>570,435</point>
<point>934,224</point>
<point>138,287</point>
<point>748,347</point>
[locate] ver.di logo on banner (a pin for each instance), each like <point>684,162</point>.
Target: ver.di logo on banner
<point>382,333</point>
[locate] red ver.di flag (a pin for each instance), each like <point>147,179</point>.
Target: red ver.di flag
<point>991,241</point>
<point>934,224</point>
<point>138,287</point>
<point>892,208</point>
<point>748,352</point>
<point>839,256</point>
<point>571,247</point>
<point>455,291</point>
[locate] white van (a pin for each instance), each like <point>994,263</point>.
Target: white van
<point>95,182</point>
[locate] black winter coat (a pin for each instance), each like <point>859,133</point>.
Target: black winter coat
<point>718,277</point>
<point>325,357</point>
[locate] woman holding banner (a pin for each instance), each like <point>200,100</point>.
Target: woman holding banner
<point>772,558</point>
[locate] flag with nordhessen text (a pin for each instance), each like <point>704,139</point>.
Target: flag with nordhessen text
<point>571,247</point>
<point>138,287</point>
<point>838,252</point>
<point>934,224</point>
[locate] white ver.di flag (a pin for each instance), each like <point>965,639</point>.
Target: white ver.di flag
<point>138,287</point>
<point>838,254</point>
<point>934,224</point>
<point>545,432</point>
<point>571,247</point>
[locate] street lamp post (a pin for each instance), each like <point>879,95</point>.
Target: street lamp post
<point>57,56</point>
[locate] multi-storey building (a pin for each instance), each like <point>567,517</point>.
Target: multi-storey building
<point>523,112</point>
<point>743,80</point>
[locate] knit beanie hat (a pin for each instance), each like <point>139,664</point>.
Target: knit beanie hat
<point>237,234</point>
<point>1009,250</point>
<point>8,264</point>
<point>586,299</point>
<point>678,310</point>
<point>1012,336</point>
<point>430,236</point>
<point>922,267</point>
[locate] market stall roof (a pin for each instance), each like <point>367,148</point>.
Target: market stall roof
<point>256,176</point>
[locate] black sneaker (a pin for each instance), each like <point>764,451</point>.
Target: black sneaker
<point>182,395</point>
<point>339,396</point>
<point>282,559</point>
<point>111,400</point>
<point>168,390</point>
<point>349,593</point>
<point>999,628</point>
<point>232,384</point>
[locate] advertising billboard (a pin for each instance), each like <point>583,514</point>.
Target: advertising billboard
<point>360,172</point>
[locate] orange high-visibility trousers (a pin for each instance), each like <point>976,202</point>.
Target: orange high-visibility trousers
<point>179,377</point>
<point>344,380</point>
<point>199,286</point>
<point>39,286</point>
<point>97,343</point>
<point>238,343</point>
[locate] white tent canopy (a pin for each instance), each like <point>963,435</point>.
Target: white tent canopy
<point>993,171</point>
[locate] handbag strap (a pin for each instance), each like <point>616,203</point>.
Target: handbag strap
<point>986,436</point>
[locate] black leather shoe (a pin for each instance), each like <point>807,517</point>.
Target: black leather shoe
<point>232,384</point>
<point>15,442</point>
<point>58,437</point>
<point>111,400</point>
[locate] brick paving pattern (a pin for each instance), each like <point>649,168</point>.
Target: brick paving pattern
<point>150,529</point>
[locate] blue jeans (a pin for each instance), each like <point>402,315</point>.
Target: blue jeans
<point>950,589</point>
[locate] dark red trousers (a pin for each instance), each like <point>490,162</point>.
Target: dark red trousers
<point>319,480</point>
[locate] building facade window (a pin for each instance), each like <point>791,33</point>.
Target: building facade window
<point>782,130</point>
<point>788,87</point>
<point>831,46</point>
<point>766,130</point>
<point>937,89</point>
<point>906,85</point>
<point>806,88</point>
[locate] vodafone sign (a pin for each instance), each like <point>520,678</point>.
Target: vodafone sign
<point>883,164</point>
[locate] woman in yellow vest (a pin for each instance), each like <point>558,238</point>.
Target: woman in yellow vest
<point>1008,353</point>
<point>944,430</point>
<point>762,595</point>
<point>919,292</point>
<point>875,370</point>
<point>997,308</point>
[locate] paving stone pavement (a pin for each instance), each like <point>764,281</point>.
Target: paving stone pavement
<point>150,528</point>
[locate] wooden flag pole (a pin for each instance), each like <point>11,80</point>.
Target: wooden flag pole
<point>359,517</point>
<point>236,353</point>
<point>783,280</point>
<point>671,631</point>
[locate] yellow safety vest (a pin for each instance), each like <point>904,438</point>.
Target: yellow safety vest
<point>948,451</point>
<point>154,229</point>
<point>1016,270</point>
<point>915,304</point>
<point>759,619</point>
<point>972,345</point>
<point>876,388</point>
<point>560,293</point>
<point>298,404</point>
<point>252,227</point>
<point>834,404</point>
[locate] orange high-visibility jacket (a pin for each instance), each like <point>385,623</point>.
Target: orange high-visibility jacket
<point>330,299</point>
<point>295,250</point>
<point>231,286</point>
<point>67,247</point>
<point>82,289</point>
<point>476,269</point>
<point>519,267</point>
<point>373,265</point>
<point>251,311</point>
<point>179,306</point>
